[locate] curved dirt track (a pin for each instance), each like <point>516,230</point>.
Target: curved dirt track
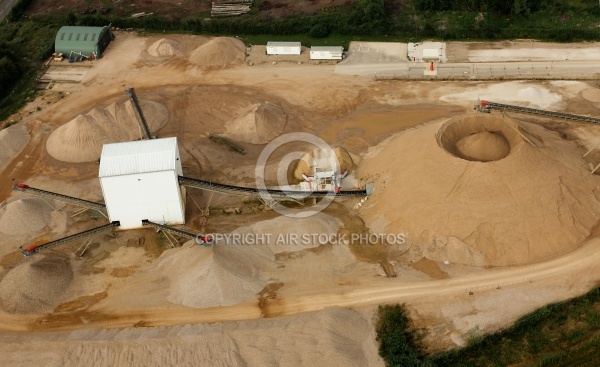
<point>376,291</point>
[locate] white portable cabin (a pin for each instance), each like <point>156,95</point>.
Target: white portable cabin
<point>284,48</point>
<point>326,52</point>
<point>431,54</point>
<point>139,180</point>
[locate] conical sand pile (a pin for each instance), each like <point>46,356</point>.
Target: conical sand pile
<point>81,139</point>
<point>36,286</point>
<point>216,276</point>
<point>258,124</point>
<point>219,52</point>
<point>532,205</point>
<point>164,48</point>
<point>12,141</point>
<point>25,216</point>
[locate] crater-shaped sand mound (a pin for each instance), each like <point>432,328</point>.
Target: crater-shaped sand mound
<point>480,138</point>
<point>81,139</point>
<point>258,123</point>
<point>25,216</point>
<point>484,147</point>
<point>164,48</point>
<point>219,52</point>
<point>37,285</point>
<point>535,204</point>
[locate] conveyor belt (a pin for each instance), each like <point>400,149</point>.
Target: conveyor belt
<point>61,197</point>
<point>488,104</point>
<point>36,248</point>
<point>275,193</point>
<point>140,114</point>
<point>200,239</point>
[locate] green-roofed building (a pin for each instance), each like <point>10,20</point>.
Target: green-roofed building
<point>87,41</point>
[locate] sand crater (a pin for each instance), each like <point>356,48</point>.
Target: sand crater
<point>479,138</point>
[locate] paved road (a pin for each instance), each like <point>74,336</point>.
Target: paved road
<point>5,7</point>
<point>525,70</point>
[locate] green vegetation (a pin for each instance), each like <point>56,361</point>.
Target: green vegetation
<point>23,46</point>
<point>561,334</point>
<point>23,41</point>
<point>396,342</point>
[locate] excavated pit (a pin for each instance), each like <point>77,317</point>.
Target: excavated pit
<point>479,138</point>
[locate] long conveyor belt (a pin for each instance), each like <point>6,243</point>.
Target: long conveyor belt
<point>275,193</point>
<point>61,197</point>
<point>200,239</point>
<point>488,104</point>
<point>139,113</point>
<point>36,248</point>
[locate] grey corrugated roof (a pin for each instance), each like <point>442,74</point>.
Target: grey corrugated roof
<point>141,156</point>
<point>283,44</point>
<point>327,48</point>
<point>81,39</point>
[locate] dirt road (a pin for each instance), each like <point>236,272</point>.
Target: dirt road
<point>372,292</point>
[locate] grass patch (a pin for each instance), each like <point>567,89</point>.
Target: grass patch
<point>560,334</point>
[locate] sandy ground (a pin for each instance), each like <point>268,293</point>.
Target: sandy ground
<point>130,280</point>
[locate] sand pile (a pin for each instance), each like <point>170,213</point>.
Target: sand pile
<point>13,140</point>
<point>164,48</point>
<point>37,285</point>
<point>532,205</point>
<point>25,216</point>
<point>81,139</point>
<point>258,123</point>
<point>216,276</point>
<point>321,159</point>
<point>284,234</point>
<point>332,337</point>
<point>219,52</point>
<point>591,94</point>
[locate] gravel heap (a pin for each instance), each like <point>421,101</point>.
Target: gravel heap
<point>285,234</point>
<point>332,337</point>
<point>258,123</point>
<point>12,141</point>
<point>216,276</point>
<point>25,216</point>
<point>81,139</point>
<point>36,285</point>
<point>164,48</point>
<point>219,52</point>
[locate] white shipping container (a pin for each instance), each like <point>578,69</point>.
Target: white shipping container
<point>284,48</point>
<point>326,52</point>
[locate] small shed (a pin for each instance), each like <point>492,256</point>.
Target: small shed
<point>284,48</point>
<point>86,41</point>
<point>140,180</point>
<point>432,54</point>
<point>326,52</point>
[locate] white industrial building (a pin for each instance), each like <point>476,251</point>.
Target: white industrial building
<point>284,48</point>
<point>326,52</point>
<point>139,180</point>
